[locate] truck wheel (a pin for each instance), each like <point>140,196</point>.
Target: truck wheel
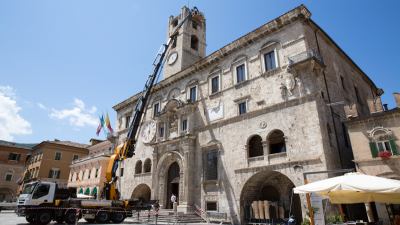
<point>102,217</point>
<point>70,217</point>
<point>90,220</point>
<point>30,219</point>
<point>44,218</point>
<point>118,217</point>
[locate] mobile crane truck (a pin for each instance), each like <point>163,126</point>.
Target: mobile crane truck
<point>41,202</point>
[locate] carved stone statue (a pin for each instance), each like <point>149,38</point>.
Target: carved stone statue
<point>173,123</point>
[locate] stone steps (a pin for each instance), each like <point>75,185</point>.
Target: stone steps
<point>167,216</point>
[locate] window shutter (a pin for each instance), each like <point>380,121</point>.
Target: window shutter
<point>393,147</point>
<point>58,174</point>
<point>374,150</point>
<point>51,174</point>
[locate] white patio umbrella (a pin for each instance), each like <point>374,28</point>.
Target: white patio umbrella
<point>355,188</point>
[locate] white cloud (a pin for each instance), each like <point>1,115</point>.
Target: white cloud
<point>78,115</point>
<point>11,123</point>
<point>40,105</point>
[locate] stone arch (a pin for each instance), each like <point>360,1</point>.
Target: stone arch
<point>147,166</point>
<point>255,146</point>
<point>141,192</point>
<point>138,167</point>
<point>164,163</point>
<point>215,70</point>
<point>174,93</point>
<point>276,142</point>
<point>271,186</point>
<point>240,57</point>
<point>271,43</point>
<point>192,82</point>
<point>172,105</point>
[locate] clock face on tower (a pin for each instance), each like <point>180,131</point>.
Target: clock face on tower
<point>172,58</point>
<point>148,131</point>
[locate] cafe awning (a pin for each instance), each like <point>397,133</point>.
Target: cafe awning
<point>355,188</point>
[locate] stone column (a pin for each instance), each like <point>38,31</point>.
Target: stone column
<point>281,212</point>
<point>154,175</point>
<point>254,207</point>
<point>186,187</point>
<point>261,209</point>
<point>266,210</point>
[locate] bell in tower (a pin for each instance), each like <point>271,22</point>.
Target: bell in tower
<point>190,44</point>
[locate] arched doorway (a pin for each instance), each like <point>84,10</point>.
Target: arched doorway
<point>172,183</point>
<point>268,195</point>
<point>141,192</point>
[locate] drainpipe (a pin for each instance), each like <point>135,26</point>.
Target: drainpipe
<point>329,101</point>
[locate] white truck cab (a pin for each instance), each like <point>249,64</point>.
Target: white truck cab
<point>37,193</point>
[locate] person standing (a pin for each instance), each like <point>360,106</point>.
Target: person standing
<point>173,199</point>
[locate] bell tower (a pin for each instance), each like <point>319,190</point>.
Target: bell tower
<point>190,44</point>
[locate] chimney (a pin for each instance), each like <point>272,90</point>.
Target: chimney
<point>375,105</point>
<point>397,99</point>
<point>351,111</point>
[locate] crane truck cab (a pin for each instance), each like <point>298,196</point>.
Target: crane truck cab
<point>38,201</point>
<point>41,202</point>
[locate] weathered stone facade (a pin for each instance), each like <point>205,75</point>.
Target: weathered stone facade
<point>274,111</point>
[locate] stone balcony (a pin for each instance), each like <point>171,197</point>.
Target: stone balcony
<point>305,56</point>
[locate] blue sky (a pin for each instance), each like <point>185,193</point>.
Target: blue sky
<point>62,63</point>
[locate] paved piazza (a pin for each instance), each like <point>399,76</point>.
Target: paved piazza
<point>10,218</point>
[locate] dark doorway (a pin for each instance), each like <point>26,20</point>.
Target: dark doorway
<point>173,183</point>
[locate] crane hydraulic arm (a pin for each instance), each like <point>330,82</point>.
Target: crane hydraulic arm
<point>127,149</point>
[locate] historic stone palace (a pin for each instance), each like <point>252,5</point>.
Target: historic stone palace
<point>243,124</point>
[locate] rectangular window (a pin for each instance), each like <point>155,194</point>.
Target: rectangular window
<point>75,157</point>
<point>215,84</point>
<point>127,121</point>
<point>211,165</point>
<point>121,171</point>
<point>240,73</point>
<point>14,156</point>
<point>54,173</point>
<point>161,131</point>
<point>8,177</point>
<point>184,125</point>
<point>156,109</point>
<point>193,94</point>
<point>97,173</point>
<point>211,206</point>
<point>57,156</point>
<point>269,59</point>
<point>242,108</point>
<point>383,146</point>
<point>88,176</point>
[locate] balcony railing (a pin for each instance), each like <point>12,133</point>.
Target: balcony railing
<point>310,54</point>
